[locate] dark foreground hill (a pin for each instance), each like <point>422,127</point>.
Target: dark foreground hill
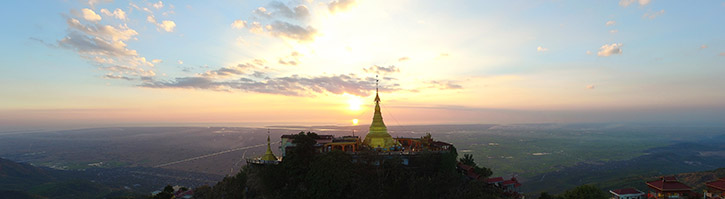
<point>20,181</point>
<point>306,174</point>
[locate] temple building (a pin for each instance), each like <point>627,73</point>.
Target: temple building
<point>378,140</point>
<point>627,193</point>
<point>267,158</point>
<point>715,189</point>
<point>669,187</point>
<point>378,137</point>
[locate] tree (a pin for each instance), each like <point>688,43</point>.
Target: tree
<point>546,195</point>
<point>468,160</point>
<point>482,171</point>
<point>585,191</point>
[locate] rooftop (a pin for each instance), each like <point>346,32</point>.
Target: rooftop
<point>668,183</point>
<point>626,191</point>
<point>718,184</point>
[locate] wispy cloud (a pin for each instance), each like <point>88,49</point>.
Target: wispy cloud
<point>610,49</point>
<point>118,13</point>
<point>541,49</point>
<point>294,85</point>
<point>611,23</point>
<point>340,5</point>
<point>375,69</point>
<point>652,15</point>
<point>444,85</point>
<point>625,3</point>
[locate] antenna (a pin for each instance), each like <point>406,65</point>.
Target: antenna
<point>376,83</point>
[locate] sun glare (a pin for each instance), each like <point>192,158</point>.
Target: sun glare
<point>355,103</point>
<point>354,121</point>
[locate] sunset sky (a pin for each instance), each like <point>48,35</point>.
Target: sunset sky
<point>73,64</point>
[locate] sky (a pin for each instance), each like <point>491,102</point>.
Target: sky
<point>92,63</point>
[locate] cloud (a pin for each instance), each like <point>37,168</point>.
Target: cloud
<point>112,76</point>
<point>652,15</point>
<point>614,31</point>
<point>93,3</point>
<point>403,59</point>
<point>625,3</point>
<point>95,46</point>
<point>340,5</point>
<point>290,60</point>
<point>703,46</point>
<point>611,23</point>
<point>444,85</point>
<point>105,47</point>
<point>256,27</point>
<point>180,61</point>
<point>610,49</point>
<point>118,13</point>
<point>89,15</point>
<point>589,52</point>
<point>291,31</point>
<point>151,19</point>
<point>279,9</point>
<point>122,32</point>
<point>590,86</point>
<point>541,49</point>
<point>381,69</point>
<point>158,5</point>
<point>722,54</point>
<point>239,24</point>
<point>167,25</point>
<point>156,61</point>
<point>294,85</point>
<point>239,69</point>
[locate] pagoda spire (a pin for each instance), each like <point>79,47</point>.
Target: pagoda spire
<point>378,136</point>
<point>269,156</point>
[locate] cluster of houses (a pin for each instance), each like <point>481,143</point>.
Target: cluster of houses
<point>670,187</point>
<point>512,187</point>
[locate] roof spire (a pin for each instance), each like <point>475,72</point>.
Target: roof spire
<point>377,97</point>
<point>269,156</point>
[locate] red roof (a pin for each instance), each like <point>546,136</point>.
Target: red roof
<point>494,180</point>
<point>668,183</point>
<point>718,184</point>
<point>511,182</point>
<point>626,191</point>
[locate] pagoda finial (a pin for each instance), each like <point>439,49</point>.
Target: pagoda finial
<point>377,97</point>
<point>269,156</point>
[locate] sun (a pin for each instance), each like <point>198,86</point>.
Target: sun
<point>354,121</point>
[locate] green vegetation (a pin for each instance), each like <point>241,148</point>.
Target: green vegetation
<point>532,152</point>
<point>583,191</point>
<point>483,171</point>
<point>306,174</point>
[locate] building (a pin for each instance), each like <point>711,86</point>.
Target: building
<point>715,189</point>
<point>669,187</point>
<point>267,158</point>
<point>627,193</point>
<point>378,137</point>
<point>378,140</point>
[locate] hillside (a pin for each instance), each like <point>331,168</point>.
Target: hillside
<point>19,180</point>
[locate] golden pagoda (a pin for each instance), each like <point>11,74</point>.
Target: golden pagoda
<point>269,156</point>
<point>378,136</point>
